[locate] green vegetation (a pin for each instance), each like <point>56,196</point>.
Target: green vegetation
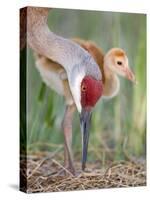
<point>118,124</point>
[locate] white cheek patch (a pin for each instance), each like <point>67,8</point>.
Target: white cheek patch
<point>76,91</point>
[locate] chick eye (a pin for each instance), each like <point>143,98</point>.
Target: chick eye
<point>83,88</point>
<point>119,62</point>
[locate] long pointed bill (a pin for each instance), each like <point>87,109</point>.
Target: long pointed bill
<point>130,75</point>
<point>85,121</point>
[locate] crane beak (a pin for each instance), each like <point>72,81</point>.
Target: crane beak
<point>85,121</point>
<point>130,75</point>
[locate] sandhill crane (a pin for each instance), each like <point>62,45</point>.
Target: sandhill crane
<point>81,75</point>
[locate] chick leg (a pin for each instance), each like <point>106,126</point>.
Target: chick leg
<point>67,130</point>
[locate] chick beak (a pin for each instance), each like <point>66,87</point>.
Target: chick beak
<point>130,75</point>
<point>85,121</point>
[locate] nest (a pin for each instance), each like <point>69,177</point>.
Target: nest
<point>43,173</point>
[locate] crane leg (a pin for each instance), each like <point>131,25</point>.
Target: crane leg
<point>67,130</point>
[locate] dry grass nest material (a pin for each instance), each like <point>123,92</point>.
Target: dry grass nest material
<point>43,174</point>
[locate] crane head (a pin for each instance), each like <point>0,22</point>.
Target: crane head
<point>85,81</point>
<point>90,92</point>
<point>86,91</point>
<point>117,60</point>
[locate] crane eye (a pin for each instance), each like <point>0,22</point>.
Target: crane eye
<point>119,62</point>
<point>83,88</point>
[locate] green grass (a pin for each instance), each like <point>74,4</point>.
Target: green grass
<point>114,121</point>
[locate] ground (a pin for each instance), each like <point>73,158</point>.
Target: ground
<point>44,174</point>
